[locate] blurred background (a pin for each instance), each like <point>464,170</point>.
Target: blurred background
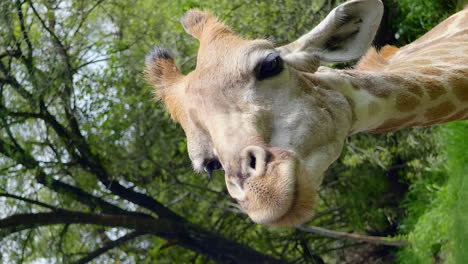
<point>83,142</point>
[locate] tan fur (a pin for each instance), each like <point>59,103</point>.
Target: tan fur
<point>440,111</point>
<point>374,61</point>
<point>430,71</point>
<point>406,102</point>
<point>459,84</point>
<point>393,124</point>
<point>163,74</point>
<point>434,69</point>
<point>434,87</point>
<point>201,24</point>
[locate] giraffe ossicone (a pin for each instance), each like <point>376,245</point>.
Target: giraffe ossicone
<point>275,120</point>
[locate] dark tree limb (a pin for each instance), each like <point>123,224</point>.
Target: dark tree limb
<point>80,150</point>
<point>92,162</point>
<point>187,235</point>
<point>62,49</point>
<point>28,60</point>
<point>20,222</point>
<point>30,201</point>
<point>108,246</point>
<point>95,203</point>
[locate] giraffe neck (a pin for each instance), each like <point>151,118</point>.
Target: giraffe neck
<point>388,101</point>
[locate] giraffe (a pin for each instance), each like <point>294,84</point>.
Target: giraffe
<point>274,120</point>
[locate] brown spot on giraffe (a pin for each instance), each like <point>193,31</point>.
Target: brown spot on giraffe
<point>434,88</point>
<point>440,111</point>
<point>395,79</point>
<point>460,115</point>
<point>411,86</point>
<point>378,89</point>
<point>459,86</point>
<point>415,88</point>
<point>406,102</point>
<point>373,86</point>
<point>430,71</point>
<point>462,71</point>
<point>393,124</point>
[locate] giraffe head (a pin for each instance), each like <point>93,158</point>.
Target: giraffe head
<point>247,109</point>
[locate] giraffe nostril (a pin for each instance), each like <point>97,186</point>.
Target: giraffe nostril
<point>253,160</point>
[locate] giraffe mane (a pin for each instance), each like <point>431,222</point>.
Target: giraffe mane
<point>376,60</point>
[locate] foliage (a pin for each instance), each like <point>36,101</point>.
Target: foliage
<point>419,16</point>
<point>76,112</point>
<point>438,232</point>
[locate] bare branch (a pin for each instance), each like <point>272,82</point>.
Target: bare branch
<point>29,58</point>
<point>90,62</point>
<point>62,49</point>
<point>4,194</point>
<point>20,156</point>
<point>108,246</point>
<point>14,84</point>
<point>85,16</point>
<point>75,141</point>
<point>19,222</point>
<point>91,162</point>
<point>354,237</point>
<point>185,234</point>
<point>10,53</point>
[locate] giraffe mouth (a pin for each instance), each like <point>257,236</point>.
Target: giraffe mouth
<point>281,197</point>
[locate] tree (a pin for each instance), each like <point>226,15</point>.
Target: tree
<point>52,103</point>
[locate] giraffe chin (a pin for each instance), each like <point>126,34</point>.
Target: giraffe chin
<point>284,196</point>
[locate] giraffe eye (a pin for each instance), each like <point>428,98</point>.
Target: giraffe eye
<point>272,65</point>
<point>211,166</point>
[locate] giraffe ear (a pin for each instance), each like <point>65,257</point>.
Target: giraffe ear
<point>345,34</point>
<point>161,71</point>
<point>199,23</point>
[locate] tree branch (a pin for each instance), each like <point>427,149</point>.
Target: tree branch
<point>92,163</point>
<point>108,246</point>
<point>73,141</point>
<point>187,235</point>
<point>19,222</point>
<point>354,237</point>
<point>29,59</point>
<point>85,16</point>
<point>62,49</point>
<point>19,155</point>
<point>4,194</point>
